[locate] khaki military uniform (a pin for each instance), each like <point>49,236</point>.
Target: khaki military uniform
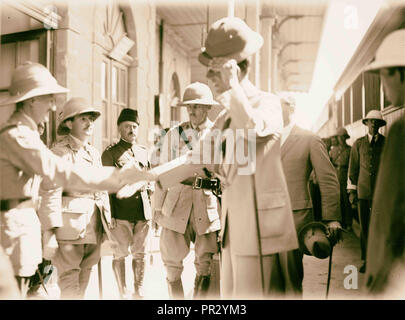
<point>187,214</point>
<point>23,155</point>
<point>79,242</point>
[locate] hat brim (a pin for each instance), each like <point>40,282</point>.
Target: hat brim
<point>41,91</point>
<point>254,44</point>
<point>198,101</point>
<point>377,65</point>
<point>380,120</point>
<point>303,231</point>
<point>63,130</point>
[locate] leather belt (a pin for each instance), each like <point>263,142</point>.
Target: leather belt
<point>202,183</point>
<point>8,204</point>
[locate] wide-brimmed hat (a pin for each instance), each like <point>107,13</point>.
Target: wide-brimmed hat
<point>390,53</point>
<point>231,38</point>
<point>31,80</point>
<point>198,93</point>
<point>313,240</point>
<point>342,132</point>
<point>71,108</point>
<point>374,115</point>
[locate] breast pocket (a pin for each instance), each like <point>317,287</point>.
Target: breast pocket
<point>273,214</point>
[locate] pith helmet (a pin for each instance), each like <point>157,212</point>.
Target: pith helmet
<point>313,240</point>
<point>71,108</point>
<point>31,80</point>
<point>391,52</point>
<point>375,115</point>
<point>198,93</point>
<point>342,132</point>
<point>231,38</point>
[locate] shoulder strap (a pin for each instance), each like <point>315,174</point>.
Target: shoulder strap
<point>7,127</point>
<point>184,137</point>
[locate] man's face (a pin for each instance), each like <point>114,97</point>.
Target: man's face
<point>393,87</point>
<point>373,126</point>
<point>82,125</point>
<point>40,107</point>
<point>219,84</point>
<point>128,131</point>
<point>198,113</point>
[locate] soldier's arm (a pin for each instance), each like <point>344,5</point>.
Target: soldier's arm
<point>29,153</point>
<point>264,117</point>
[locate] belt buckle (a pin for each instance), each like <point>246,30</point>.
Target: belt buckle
<point>214,183</point>
<point>197,183</point>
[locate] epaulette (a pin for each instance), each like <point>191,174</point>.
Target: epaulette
<point>111,146</point>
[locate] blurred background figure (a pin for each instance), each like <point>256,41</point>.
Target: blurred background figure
<point>363,168</point>
<point>341,163</point>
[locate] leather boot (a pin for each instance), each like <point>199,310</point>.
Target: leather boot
<point>138,267</point>
<point>119,272</point>
<point>201,286</point>
<point>175,289</point>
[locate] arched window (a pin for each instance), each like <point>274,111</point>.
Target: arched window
<point>114,71</point>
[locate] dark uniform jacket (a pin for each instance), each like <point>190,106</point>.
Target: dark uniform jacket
<point>363,165</point>
<point>120,154</point>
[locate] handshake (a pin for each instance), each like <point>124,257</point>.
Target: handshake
<point>166,175</point>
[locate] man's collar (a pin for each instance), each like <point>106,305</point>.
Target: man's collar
<point>206,124</point>
<point>125,143</point>
<point>287,131</point>
<point>370,137</point>
<point>76,143</point>
<point>21,117</point>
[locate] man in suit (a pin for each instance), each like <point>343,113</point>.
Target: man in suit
<point>301,152</point>
<point>257,221</point>
<point>131,216</point>
<point>385,272</point>
<point>363,168</point>
<point>188,211</point>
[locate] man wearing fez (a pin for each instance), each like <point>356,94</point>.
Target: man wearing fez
<point>130,216</point>
<point>23,156</point>
<point>301,152</point>
<point>385,272</point>
<point>188,211</point>
<point>363,168</point>
<point>256,221</point>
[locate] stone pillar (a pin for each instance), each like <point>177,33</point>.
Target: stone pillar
<point>266,54</point>
<point>253,20</point>
<point>274,68</point>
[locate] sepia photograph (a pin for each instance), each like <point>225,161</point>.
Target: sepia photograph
<point>210,151</point>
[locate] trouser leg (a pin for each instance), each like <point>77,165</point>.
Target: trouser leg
<point>23,285</point>
<point>174,247</point>
<point>364,217</point>
<point>293,272</point>
<point>119,273</point>
<point>90,259</point>
<point>141,235</point>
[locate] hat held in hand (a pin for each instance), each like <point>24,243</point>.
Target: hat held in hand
<point>313,240</point>
<point>230,38</point>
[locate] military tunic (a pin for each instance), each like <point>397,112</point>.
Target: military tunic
<point>23,155</point>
